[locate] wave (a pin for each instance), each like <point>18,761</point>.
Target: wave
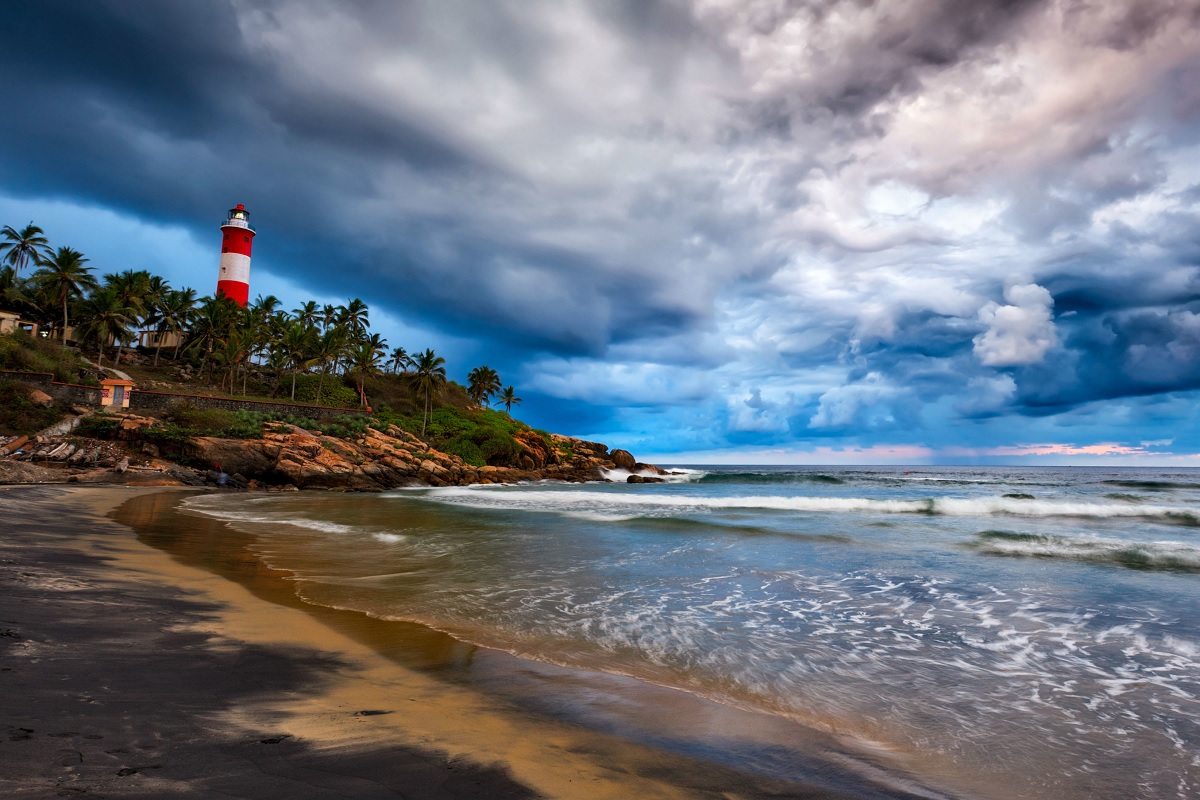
<point>1164,556</point>
<point>673,475</point>
<point>690,526</point>
<point>273,519</point>
<point>1151,485</point>
<point>771,477</point>
<point>625,505</point>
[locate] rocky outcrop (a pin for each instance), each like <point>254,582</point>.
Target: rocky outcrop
<point>290,457</point>
<point>384,460</point>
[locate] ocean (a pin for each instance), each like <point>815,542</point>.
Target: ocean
<point>987,632</point>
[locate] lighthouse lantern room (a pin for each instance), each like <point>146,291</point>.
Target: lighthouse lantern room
<point>237,235</point>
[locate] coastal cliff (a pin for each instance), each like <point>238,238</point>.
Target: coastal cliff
<point>286,456</point>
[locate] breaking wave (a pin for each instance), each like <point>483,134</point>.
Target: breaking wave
<point>625,505</point>
<point>1166,556</point>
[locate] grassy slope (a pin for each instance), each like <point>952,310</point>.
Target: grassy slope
<point>478,436</point>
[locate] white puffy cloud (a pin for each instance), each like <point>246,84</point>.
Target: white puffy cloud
<point>863,404</point>
<point>1018,333</point>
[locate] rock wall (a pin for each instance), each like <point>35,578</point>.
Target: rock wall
<point>65,393</point>
<point>141,400</point>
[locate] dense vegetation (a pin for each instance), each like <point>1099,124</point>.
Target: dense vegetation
<point>325,355</point>
<point>19,414</point>
<point>27,354</point>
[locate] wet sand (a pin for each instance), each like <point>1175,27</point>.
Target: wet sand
<point>173,662</point>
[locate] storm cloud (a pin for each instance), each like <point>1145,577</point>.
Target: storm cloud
<point>681,226</point>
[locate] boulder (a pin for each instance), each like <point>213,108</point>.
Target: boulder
<point>40,398</point>
<point>643,479</point>
<point>624,459</point>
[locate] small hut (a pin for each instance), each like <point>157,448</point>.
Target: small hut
<point>115,392</point>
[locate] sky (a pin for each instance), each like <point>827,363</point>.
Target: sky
<point>739,231</point>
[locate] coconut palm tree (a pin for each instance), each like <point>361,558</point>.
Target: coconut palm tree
<point>400,360</point>
<point>365,357</point>
<point>307,314</point>
<point>105,317</point>
<point>63,278</point>
<point>211,325</point>
<point>509,398</point>
<point>296,342</point>
<point>13,296</point>
<point>354,317</point>
<point>429,376</point>
<point>483,383</point>
<point>328,349</point>
<point>175,315</point>
<point>137,292</point>
<point>23,247</point>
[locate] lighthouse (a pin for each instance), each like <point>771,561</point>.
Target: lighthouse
<point>237,235</point>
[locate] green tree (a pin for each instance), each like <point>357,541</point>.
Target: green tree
<point>328,349</point>
<point>399,360</point>
<point>13,296</point>
<point>211,326</point>
<point>483,382</point>
<point>105,317</point>
<point>23,247</point>
<point>428,378</point>
<point>509,398</point>
<point>365,358</point>
<point>307,314</point>
<point>296,342</point>
<point>63,278</point>
<point>174,315</point>
<point>136,290</point>
<point>354,317</point>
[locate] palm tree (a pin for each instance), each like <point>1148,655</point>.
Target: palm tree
<point>211,325</point>
<point>400,358</point>
<point>137,292</point>
<point>509,398</point>
<point>105,317</point>
<point>353,316</point>
<point>296,343</point>
<point>307,314</point>
<point>429,376</point>
<point>23,247</point>
<point>365,358</point>
<point>329,348</point>
<point>483,383</point>
<point>63,277</point>
<point>175,315</point>
<point>12,291</point>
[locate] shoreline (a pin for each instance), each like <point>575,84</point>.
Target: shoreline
<point>318,693</point>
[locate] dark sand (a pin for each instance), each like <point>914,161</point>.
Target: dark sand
<point>129,673</point>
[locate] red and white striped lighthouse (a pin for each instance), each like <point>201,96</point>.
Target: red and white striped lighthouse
<point>237,236</point>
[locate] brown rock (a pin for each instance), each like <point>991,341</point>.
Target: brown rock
<point>41,398</point>
<point>624,459</point>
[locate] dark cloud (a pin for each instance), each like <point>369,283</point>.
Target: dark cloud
<point>792,220</point>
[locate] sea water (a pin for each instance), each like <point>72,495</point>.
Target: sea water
<point>998,632</point>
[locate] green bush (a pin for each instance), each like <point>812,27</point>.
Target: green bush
<point>466,449</point>
<point>22,352</point>
<point>19,415</point>
<point>98,426</point>
<point>202,421</point>
<point>334,393</point>
<point>476,436</point>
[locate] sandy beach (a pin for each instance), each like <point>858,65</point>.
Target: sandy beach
<point>130,672</point>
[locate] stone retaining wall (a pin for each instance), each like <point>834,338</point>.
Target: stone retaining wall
<point>142,400</point>
<point>65,393</point>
